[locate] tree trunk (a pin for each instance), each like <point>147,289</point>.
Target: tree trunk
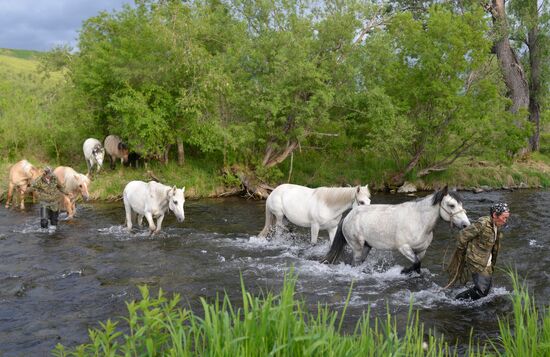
<point>272,157</point>
<point>181,152</point>
<point>535,77</point>
<point>512,70</point>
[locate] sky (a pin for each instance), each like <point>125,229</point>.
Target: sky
<point>43,24</point>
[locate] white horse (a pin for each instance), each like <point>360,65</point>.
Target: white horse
<point>319,208</point>
<point>152,200</point>
<point>407,227</point>
<point>94,153</point>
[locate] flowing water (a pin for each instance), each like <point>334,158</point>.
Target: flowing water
<point>54,286</point>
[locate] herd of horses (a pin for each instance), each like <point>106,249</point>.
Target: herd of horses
<point>345,213</point>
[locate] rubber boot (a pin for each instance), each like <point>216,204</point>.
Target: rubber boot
<point>482,285</point>
<point>54,217</point>
<point>44,217</point>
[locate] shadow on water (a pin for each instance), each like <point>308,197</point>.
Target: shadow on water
<point>54,286</point>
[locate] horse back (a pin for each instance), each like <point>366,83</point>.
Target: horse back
<point>145,197</point>
<point>23,172</point>
<point>89,145</point>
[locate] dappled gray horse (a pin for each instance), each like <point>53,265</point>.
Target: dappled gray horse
<point>93,153</point>
<point>406,227</point>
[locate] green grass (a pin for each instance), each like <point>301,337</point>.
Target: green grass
<point>281,325</point>
<point>25,54</point>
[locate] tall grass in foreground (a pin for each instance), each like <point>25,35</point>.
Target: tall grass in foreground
<point>280,326</point>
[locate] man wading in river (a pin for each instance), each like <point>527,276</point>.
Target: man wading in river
<point>476,252</point>
<point>48,194</point>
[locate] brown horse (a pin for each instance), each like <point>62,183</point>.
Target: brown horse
<point>116,149</point>
<point>73,184</point>
<point>20,178</point>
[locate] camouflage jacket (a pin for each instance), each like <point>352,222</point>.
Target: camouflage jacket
<point>476,250</point>
<point>48,193</point>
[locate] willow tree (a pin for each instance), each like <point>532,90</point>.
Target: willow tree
<point>428,95</point>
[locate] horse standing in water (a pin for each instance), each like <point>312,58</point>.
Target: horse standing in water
<point>73,184</point>
<point>319,208</point>
<point>93,153</point>
<point>406,227</point>
<point>152,200</point>
<point>20,178</point>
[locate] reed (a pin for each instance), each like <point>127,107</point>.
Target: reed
<point>280,325</point>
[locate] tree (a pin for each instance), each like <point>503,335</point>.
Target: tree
<point>530,20</point>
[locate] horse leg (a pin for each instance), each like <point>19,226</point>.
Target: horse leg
<point>269,217</point>
<point>88,165</point>
<point>314,232</point>
<point>128,210</point>
<point>112,162</point>
<point>159,223</point>
<point>407,251</point>
<point>10,192</point>
<point>139,220</point>
<point>22,190</point>
<point>68,206</point>
<point>149,218</point>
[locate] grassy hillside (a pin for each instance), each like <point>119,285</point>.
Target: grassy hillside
<point>24,54</point>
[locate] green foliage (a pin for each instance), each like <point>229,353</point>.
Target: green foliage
<point>281,325</point>
<point>241,82</point>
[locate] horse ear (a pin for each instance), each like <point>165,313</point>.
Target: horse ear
<point>358,189</point>
<point>445,190</point>
<point>183,188</point>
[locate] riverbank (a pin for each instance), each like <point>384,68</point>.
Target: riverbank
<point>203,180</point>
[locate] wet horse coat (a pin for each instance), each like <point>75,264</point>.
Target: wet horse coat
<point>406,227</point>
<point>20,178</point>
<point>73,184</point>
<point>318,208</point>
<point>152,200</point>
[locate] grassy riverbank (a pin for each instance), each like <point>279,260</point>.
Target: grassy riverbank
<point>281,325</point>
<point>204,178</point>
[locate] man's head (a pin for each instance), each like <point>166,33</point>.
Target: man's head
<point>499,213</point>
<point>48,173</point>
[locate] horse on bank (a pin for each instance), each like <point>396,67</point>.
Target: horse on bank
<point>73,184</point>
<point>152,200</point>
<point>406,227</point>
<point>318,208</point>
<point>116,149</point>
<point>94,153</point>
<point>20,178</point>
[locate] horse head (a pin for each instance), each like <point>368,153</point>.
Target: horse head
<point>362,196</point>
<point>123,151</point>
<point>176,199</point>
<point>450,208</point>
<point>83,182</point>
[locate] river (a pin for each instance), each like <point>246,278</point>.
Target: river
<point>54,286</point>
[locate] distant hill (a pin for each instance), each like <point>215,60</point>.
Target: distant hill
<point>25,54</point>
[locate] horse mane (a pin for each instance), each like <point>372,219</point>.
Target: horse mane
<point>27,167</point>
<point>438,196</point>
<point>333,196</point>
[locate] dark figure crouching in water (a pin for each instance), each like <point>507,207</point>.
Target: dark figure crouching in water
<point>476,252</point>
<point>48,195</point>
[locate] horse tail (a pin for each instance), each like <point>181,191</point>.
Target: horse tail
<point>337,247</point>
<point>269,221</point>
